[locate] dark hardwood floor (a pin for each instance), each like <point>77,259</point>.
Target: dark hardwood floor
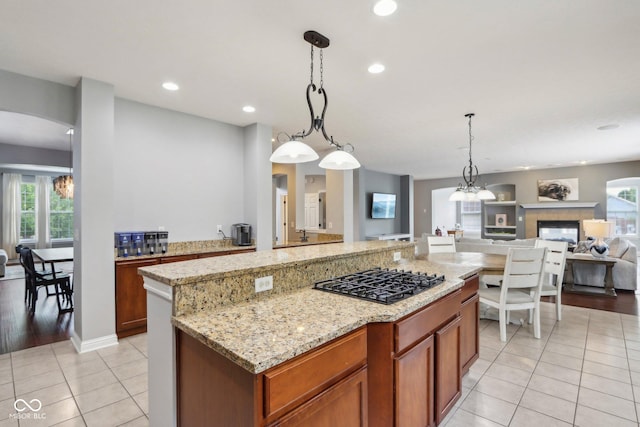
<point>19,329</point>
<point>626,302</point>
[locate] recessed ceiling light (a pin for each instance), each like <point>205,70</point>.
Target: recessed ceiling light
<point>376,68</point>
<point>609,126</point>
<point>385,7</point>
<point>248,109</point>
<point>170,86</point>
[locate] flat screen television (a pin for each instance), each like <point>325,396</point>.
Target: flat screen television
<point>383,206</point>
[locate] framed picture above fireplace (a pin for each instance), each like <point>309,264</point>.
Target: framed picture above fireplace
<point>557,190</point>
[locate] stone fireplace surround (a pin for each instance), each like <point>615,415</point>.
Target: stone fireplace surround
<point>556,211</point>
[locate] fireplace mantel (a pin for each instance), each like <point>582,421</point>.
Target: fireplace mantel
<point>559,205</point>
<point>556,211</point>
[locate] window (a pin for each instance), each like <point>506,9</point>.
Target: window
<point>622,205</point>
<point>60,217</point>
<point>470,217</point>
<point>27,211</point>
<point>60,213</point>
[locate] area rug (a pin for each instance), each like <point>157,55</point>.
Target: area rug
<point>13,272</point>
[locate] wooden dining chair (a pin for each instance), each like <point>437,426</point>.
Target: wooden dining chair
<point>34,280</point>
<point>441,244</point>
<point>520,288</point>
<point>554,271</point>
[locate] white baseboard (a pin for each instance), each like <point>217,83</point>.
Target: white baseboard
<point>93,344</point>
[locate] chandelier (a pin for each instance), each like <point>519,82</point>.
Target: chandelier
<point>296,151</point>
<point>470,174</point>
<point>63,185</point>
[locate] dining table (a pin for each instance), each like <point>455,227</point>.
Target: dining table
<point>491,264</point>
<point>52,255</point>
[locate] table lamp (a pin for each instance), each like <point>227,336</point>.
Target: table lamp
<point>599,229</point>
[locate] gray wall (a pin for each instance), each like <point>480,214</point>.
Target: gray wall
<point>22,94</point>
<point>379,182</point>
<point>592,187</point>
<point>175,170</point>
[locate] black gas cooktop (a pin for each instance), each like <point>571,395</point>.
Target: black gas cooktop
<point>380,285</point>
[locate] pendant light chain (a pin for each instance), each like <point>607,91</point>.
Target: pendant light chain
<point>321,69</point>
<point>311,81</point>
<point>470,138</point>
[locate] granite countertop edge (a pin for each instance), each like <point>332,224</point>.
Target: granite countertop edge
<point>164,273</point>
<point>231,248</point>
<point>261,334</point>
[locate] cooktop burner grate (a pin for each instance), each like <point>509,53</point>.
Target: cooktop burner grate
<point>380,285</point>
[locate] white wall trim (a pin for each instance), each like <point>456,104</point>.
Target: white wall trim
<point>159,289</point>
<point>93,344</point>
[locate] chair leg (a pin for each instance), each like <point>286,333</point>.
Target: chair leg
<point>536,321</point>
<point>65,291</point>
<point>503,324</point>
<point>559,303</point>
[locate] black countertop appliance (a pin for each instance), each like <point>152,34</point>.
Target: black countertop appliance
<point>241,234</point>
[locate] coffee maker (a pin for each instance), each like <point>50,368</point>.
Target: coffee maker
<point>241,234</point>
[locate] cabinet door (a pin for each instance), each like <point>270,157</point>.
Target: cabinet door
<point>344,405</point>
<point>414,385</point>
<point>469,332</point>
<point>131,298</point>
<point>448,378</point>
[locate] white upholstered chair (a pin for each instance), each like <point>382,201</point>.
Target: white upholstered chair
<point>520,288</point>
<point>441,244</point>
<point>554,272</point>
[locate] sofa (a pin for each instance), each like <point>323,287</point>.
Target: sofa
<point>625,271</point>
<point>468,244</point>
<point>3,261</point>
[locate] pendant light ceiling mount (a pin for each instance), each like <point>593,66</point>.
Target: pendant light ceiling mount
<point>63,185</point>
<point>296,151</point>
<point>470,175</point>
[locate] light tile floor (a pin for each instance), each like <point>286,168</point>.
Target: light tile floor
<point>584,371</point>
<point>106,387</point>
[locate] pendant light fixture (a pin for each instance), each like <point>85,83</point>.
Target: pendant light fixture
<point>63,185</point>
<point>296,151</point>
<point>470,174</point>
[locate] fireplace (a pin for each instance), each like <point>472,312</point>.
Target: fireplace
<point>563,231</point>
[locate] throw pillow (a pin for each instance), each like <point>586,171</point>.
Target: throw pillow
<point>617,247</point>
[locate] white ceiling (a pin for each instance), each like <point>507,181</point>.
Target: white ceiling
<point>541,76</point>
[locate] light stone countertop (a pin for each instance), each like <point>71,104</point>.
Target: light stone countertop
<point>189,248</point>
<point>190,272</point>
<point>261,334</point>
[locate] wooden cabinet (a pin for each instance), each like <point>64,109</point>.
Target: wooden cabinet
<point>344,404</point>
<point>414,366</point>
<point>499,216</point>
<point>469,323</point>
<point>448,384</point>
<point>131,297</point>
<point>324,387</point>
<point>414,383</point>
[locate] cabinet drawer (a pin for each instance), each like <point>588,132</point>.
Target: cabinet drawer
<point>470,287</point>
<point>290,384</point>
<point>417,326</point>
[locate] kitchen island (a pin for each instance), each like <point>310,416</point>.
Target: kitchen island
<point>279,356</point>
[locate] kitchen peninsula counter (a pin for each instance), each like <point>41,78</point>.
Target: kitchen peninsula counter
<point>213,302</point>
<point>261,334</point>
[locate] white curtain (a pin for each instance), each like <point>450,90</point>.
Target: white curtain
<point>11,212</point>
<point>43,190</point>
